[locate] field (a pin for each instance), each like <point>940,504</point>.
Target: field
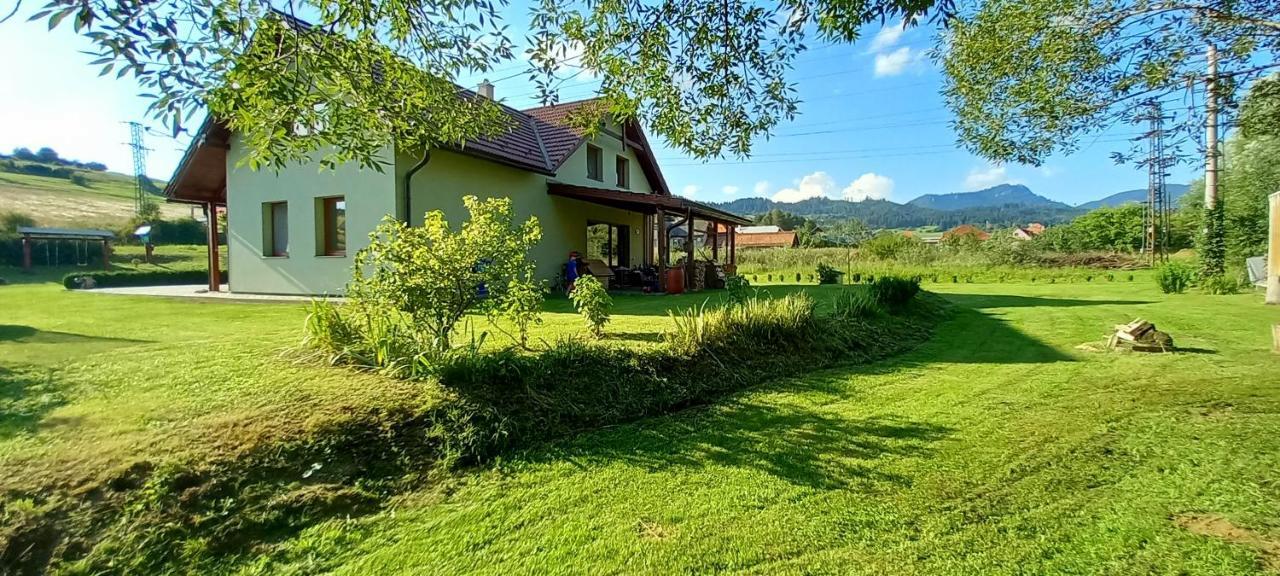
<point>105,200</point>
<point>1006,444</point>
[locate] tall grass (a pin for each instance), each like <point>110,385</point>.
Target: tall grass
<point>756,319</point>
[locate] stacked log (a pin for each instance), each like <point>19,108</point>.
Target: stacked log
<point>1140,336</point>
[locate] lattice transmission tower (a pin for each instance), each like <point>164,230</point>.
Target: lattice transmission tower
<point>140,184</point>
<point>1155,220</point>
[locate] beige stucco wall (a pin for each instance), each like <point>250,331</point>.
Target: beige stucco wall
<point>450,175</point>
<point>369,195</point>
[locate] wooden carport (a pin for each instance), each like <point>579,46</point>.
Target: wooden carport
<point>201,178</point>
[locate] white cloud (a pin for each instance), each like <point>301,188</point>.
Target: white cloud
<point>869,186</point>
<point>814,185</point>
<point>1048,171</point>
<point>690,191</point>
<point>886,37</point>
<point>762,188</point>
<point>980,178</point>
<point>893,63</point>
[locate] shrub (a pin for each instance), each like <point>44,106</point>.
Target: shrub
<point>894,292</point>
<point>828,275</point>
<point>855,302</point>
<point>11,221</point>
<point>593,303</point>
<point>1220,285</point>
<point>523,306</point>
<point>892,246</point>
<point>1173,277</point>
<point>119,278</point>
<point>435,275</point>
<point>736,288</point>
<point>755,320</point>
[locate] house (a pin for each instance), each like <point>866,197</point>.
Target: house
<point>779,239</point>
<point>297,230</point>
<point>1029,231</point>
<point>965,230</point>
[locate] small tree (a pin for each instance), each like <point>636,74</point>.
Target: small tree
<point>523,305</point>
<point>592,302</point>
<point>435,275</point>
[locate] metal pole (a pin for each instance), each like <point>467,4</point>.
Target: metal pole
<point>1273,250</point>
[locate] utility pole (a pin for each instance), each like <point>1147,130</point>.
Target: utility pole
<point>1213,250</point>
<point>1211,132</point>
<point>139,166</point>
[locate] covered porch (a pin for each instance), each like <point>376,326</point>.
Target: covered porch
<point>704,253</point>
<point>201,179</point>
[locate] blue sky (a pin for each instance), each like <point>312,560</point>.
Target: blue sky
<point>872,125</point>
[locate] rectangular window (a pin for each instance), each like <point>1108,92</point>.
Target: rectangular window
<point>333,226</point>
<point>595,163</point>
<point>275,229</point>
<point>624,172</point>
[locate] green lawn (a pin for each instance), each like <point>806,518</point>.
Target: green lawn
<point>999,446</point>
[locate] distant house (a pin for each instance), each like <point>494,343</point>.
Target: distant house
<point>926,237</point>
<point>778,239</point>
<point>1029,231</point>
<point>965,230</point>
<point>758,229</point>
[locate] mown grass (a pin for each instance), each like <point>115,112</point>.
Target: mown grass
<point>998,447</point>
<point>105,200</point>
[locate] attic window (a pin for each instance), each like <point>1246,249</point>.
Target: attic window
<point>595,163</point>
<point>624,172</point>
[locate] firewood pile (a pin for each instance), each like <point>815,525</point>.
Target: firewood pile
<point>1140,336</point>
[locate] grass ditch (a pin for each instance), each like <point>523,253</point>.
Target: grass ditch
<point>216,514</point>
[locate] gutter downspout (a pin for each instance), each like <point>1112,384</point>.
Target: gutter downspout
<point>408,180</point>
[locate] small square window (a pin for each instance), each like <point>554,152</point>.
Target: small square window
<point>333,226</point>
<point>595,163</point>
<point>624,172</point>
<point>275,229</point>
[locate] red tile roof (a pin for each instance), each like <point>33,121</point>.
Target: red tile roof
<point>966,230</point>
<point>783,239</point>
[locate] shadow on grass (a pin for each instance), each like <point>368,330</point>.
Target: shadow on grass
<point>26,396</point>
<point>30,335</point>
<point>1012,301</point>
<point>799,446</point>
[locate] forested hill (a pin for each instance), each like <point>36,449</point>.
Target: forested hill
<point>886,214</point>
<point>1001,195</point>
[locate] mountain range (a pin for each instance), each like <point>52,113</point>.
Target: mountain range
<point>1173,192</point>
<point>1001,205</point>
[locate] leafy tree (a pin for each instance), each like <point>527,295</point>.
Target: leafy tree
<point>781,219</point>
<point>593,303</point>
<point>707,75</point>
<point>24,154</point>
<point>48,156</point>
<point>434,275</point>
<point>1027,78</point>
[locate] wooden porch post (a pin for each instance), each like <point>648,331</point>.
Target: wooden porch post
<point>215,272</point>
<point>106,255</point>
<point>715,240</point>
<point>663,245</point>
<point>26,253</point>
<point>733,244</point>
<point>688,240</point>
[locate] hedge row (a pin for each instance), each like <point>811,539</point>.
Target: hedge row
<point>119,278</point>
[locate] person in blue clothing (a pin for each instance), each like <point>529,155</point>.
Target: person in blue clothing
<point>571,270</point>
